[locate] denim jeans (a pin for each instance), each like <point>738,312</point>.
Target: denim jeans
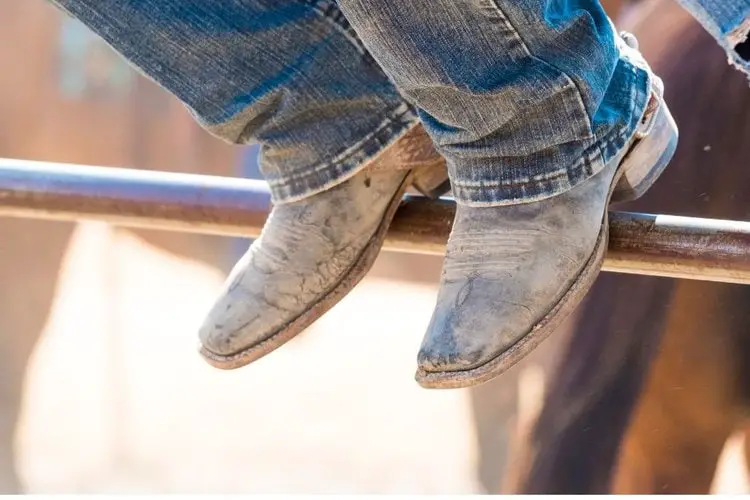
<point>524,98</point>
<point>728,21</point>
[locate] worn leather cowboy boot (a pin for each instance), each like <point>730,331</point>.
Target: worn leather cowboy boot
<point>513,273</point>
<point>312,252</point>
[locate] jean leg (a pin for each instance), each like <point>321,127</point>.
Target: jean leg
<point>288,74</point>
<point>525,98</point>
<point>728,21</point>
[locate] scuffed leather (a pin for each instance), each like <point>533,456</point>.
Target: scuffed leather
<point>305,249</point>
<point>506,267</point>
<point>414,150</point>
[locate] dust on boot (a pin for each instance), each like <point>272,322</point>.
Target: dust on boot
<point>312,252</point>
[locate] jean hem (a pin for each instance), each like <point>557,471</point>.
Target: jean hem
<point>397,122</point>
<point>730,31</point>
<point>593,158</point>
<point>739,37</point>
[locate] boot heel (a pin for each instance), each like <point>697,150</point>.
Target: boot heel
<point>431,180</point>
<point>648,157</point>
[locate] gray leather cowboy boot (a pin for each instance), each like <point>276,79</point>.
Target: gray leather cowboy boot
<point>312,252</point>
<point>513,273</point>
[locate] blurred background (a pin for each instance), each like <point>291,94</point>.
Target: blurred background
<point>101,387</point>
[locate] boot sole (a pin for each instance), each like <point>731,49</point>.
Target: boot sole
<point>628,187</point>
<point>351,278</point>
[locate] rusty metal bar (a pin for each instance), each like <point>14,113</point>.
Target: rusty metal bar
<point>658,245</point>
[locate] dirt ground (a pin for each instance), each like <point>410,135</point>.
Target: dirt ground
<point>119,401</point>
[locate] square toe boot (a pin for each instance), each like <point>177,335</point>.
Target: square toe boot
<point>513,273</point>
<point>312,252</point>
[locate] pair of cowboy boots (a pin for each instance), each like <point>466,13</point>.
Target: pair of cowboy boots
<point>511,273</point>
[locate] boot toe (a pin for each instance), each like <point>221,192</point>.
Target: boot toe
<point>214,339</point>
<point>439,358</point>
<point>232,335</point>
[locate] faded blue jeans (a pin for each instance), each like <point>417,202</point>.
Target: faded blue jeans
<point>524,98</point>
<point>728,21</point>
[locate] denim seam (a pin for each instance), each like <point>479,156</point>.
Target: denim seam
<point>616,136</point>
<point>625,133</point>
<point>629,129</point>
<point>329,10</point>
<point>394,116</point>
<point>586,157</point>
<point>341,171</point>
<point>568,78</point>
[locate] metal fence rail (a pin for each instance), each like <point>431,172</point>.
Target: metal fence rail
<point>658,245</point>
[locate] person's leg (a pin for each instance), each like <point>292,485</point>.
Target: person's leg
<point>292,76</point>
<point>535,104</point>
<point>728,21</point>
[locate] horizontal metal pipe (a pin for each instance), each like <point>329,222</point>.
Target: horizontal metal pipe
<point>658,245</point>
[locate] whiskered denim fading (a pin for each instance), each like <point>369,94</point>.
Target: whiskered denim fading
<point>525,98</point>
